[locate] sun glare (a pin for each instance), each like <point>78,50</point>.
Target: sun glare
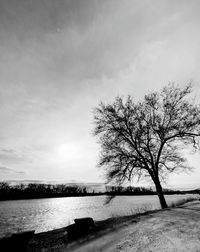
<point>68,152</point>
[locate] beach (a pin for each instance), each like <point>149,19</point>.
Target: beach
<point>172,229</point>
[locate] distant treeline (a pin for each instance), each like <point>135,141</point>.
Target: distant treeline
<point>130,190</point>
<point>35,191</point>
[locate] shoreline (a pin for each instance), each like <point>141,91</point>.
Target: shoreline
<point>51,239</point>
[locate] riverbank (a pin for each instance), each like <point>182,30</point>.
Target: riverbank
<point>23,191</point>
<point>173,229</point>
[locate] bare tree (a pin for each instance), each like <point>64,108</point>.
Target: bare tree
<point>147,138</point>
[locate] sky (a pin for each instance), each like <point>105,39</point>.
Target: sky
<point>59,59</point>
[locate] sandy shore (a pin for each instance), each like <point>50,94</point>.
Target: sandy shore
<point>175,229</point>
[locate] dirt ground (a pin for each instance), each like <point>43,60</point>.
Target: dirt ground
<point>175,229</point>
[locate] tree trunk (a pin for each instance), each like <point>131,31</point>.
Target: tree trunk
<point>160,193</point>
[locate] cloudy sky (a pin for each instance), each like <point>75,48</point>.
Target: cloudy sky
<point>59,59</point>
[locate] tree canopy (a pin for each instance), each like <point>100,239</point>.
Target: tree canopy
<point>146,138</point>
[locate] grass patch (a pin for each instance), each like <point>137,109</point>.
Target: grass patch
<point>180,202</point>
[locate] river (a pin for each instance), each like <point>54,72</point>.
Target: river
<point>47,214</point>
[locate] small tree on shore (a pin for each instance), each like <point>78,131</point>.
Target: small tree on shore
<point>146,139</point>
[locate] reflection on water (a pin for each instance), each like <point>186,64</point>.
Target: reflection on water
<point>47,214</point>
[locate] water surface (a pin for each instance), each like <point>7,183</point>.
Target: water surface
<point>47,214</point>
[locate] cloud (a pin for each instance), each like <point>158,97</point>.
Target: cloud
<point>4,169</point>
<point>12,156</point>
<point>10,151</point>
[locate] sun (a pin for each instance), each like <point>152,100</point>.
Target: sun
<point>67,152</point>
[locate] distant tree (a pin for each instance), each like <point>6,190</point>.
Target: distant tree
<point>146,138</point>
